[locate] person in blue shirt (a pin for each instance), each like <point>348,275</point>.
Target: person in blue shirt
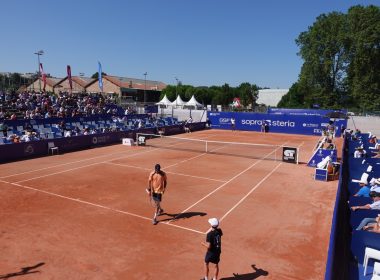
<point>364,190</point>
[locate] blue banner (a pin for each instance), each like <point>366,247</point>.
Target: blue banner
<point>320,154</point>
<point>305,112</point>
<point>291,124</point>
<point>100,76</point>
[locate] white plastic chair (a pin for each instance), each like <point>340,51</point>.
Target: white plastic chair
<point>52,148</point>
<point>376,271</point>
<point>370,254</point>
<point>363,179</point>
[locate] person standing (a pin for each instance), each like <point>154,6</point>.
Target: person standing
<point>214,248</point>
<point>233,123</point>
<point>157,186</point>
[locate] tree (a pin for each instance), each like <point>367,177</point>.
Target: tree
<point>96,75</point>
<point>363,77</point>
<point>322,48</point>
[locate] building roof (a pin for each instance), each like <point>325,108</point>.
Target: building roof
<point>135,83</point>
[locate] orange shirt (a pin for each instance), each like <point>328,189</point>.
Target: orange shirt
<point>158,181</point>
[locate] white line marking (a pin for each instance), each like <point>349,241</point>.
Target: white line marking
<point>174,173</point>
<point>97,205</point>
<point>221,186</point>
<point>63,164</point>
<point>75,168</point>
<point>254,188</point>
<point>58,165</point>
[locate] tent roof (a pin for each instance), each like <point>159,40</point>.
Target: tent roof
<point>164,101</point>
<point>178,101</point>
<point>193,102</point>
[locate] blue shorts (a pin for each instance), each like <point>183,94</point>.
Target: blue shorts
<point>157,197</point>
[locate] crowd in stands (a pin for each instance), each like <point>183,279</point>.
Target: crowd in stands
<point>37,105</point>
<point>364,192</point>
<point>29,132</point>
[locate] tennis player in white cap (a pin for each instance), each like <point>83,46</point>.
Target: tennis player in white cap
<point>214,248</point>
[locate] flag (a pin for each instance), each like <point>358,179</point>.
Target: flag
<point>100,77</point>
<point>69,76</point>
<point>43,76</point>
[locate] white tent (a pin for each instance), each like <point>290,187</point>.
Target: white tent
<point>193,102</point>
<point>178,102</point>
<point>164,101</point>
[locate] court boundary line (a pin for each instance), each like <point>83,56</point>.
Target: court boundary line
<point>251,191</point>
<point>168,172</point>
<point>97,205</point>
<point>150,149</point>
<point>58,165</point>
<point>255,187</point>
<point>227,182</point>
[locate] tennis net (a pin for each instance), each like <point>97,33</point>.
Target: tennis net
<point>248,150</point>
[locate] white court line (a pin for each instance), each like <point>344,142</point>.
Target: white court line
<point>221,186</point>
<point>75,168</point>
<point>58,165</point>
<point>97,205</point>
<point>168,172</point>
<point>71,169</point>
<point>254,188</point>
<point>63,164</point>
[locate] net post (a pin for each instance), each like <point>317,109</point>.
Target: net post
<point>298,154</point>
<point>206,147</point>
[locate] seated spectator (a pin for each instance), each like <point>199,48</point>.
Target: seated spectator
<point>370,224</point>
<point>356,134</point>
<point>364,190</point>
<point>375,195</point>
<point>360,152</point>
<point>372,139</point>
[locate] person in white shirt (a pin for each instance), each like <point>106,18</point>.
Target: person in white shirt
<point>360,152</point>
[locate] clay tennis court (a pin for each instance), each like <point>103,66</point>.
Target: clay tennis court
<point>85,215</point>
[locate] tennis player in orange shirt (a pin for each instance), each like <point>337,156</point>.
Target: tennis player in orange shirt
<point>157,186</point>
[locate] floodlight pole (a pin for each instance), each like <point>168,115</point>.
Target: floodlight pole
<point>40,52</point>
<point>146,73</point>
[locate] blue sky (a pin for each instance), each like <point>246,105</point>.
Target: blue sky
<point>201,42</point>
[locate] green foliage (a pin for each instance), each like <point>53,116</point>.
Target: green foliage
<point>13,82</point>
<point>341,54</point>
<point>218,95</point>
<point>96,75</point>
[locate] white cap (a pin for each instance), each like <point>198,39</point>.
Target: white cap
<point>213,222</point>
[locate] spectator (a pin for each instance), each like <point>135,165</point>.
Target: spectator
<point>364,190</point>
<point>360,152</point>
<point>375,195</point>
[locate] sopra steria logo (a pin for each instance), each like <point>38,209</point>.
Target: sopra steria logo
<point>269,122</point>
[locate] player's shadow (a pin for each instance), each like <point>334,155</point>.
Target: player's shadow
<point>23,271</point>
<point>179,216</point>
<point>248,276</point>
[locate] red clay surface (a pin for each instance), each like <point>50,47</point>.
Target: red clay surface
<point>86,215</point>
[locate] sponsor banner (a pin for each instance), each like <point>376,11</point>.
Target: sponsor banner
<point>289,154</point>
<point>320,154</point>
<point>305,112</point>
<point>293,124</point>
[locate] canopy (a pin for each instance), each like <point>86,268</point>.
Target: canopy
<point>178,101</point>
<point>164,101</point>
<point>193,102</point>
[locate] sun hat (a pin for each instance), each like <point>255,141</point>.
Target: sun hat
<point>213,222</point>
